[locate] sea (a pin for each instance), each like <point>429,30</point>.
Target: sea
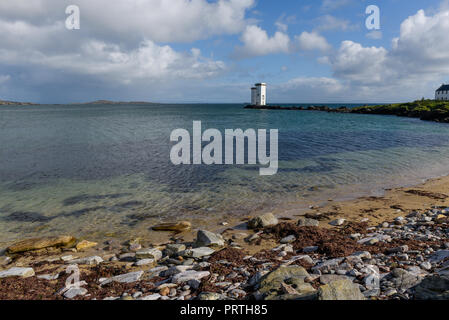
<point>105,170</point>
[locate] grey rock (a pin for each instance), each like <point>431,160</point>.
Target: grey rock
<point>149,254</point>
<point>144,262</point>
<point>439,256</point>
<point>87,261</point>
<point>390,292</point>
<point>174,249</point>
<point>433,288</point>
<point>48,277</point>
<point>400,249</point>
<point>340,290</point>
<point>374,238</point>
<point>206,238</point>
<point>371,293</point>
<point>404,280</point>
<point>209,296</point>
<point>307,222</point>
<point>252,238</point>
<point>265,220</point>
<point>201,265</point>
<point>288,239</point>
<point>310,249</point>
<point>327,265</point>
<point>17,272</point>
<point>197,252</point>
<point>255,279</point>
<point>362,255</point>
<point>135,247</point>
<point>337,222</point>
<point>127,257</point>
<point>151,297</point>
<point>175,270</point>
<point>272,284</point>
<point>125,278</point>
<point>194,284</point>
<point>74,292</point>
<point>327,278</point>
<point>189,275</point>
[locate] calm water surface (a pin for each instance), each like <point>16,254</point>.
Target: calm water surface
<point>105,169</point>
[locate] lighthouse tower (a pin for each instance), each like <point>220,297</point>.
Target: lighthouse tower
<point>253,96</point>
<point>259,94</point>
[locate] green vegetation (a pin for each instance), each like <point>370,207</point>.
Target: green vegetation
<point>424,109</point>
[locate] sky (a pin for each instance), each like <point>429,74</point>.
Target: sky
<point>199,51</point>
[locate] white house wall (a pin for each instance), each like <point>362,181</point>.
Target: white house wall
<point>442,95</point>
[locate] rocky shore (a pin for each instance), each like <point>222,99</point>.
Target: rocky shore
<point>403,259</point>
<point>428,110</point>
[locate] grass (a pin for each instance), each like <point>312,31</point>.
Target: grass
<point>424,109</point>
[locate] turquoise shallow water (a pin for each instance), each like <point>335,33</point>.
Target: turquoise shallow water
<point>96,169</point>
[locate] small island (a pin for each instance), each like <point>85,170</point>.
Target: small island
<point>429,110</point>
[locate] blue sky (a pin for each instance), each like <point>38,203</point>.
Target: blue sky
<point>317,51</point>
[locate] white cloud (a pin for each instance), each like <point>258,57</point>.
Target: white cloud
<point>419,54</point>
<point>414,66</point>
<point>256,42</point>
<point>360,64</point>
<point>33,37</point>
<point>423,44</point>
<point>308,41</point>
<point>130,20</point>
<point>148,62</point>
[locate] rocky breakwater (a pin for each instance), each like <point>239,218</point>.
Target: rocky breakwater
<point>403,259</point>
<point>428,110</point>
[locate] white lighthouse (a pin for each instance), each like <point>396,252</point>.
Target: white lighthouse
<point>259,94</point>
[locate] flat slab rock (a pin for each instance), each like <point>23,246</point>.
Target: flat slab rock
<point>151,297</point>
<point>197,252</point>
<point>189,275</point>
<point>17,272</point>
<point>87,261</point>
<point>125,278</point>
<point>439,256</point>
<point>41,243</point>
<point>74,292</point>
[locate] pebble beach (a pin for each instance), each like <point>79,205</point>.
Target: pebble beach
<point>321,255</point>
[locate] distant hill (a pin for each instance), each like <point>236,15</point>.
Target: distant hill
<point>118,102</point>
<point>15,103</point>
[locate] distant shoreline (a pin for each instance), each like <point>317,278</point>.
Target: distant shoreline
<point>16,103</point>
